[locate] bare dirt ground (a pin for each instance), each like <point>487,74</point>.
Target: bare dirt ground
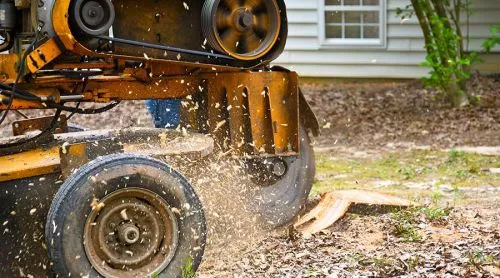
<point>365,244</point>
<point>390,137</point>
<point>395,138</point>
<point>374,114</point>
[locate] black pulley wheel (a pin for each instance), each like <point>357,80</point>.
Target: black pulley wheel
<point>282,185</point>
<point>92,17</point>
<point>125,216</point>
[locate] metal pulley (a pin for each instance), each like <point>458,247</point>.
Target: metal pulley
<point>92,17</point>
<point>244,29</point>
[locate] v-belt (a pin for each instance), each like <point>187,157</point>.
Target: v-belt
<point>165,47</point>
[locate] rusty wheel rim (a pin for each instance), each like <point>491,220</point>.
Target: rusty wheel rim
<point>133,235</point>
<point>244,29</point>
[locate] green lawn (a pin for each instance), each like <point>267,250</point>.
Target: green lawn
<point>398,171</point>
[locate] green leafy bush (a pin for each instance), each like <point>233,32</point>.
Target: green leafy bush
<point>494,40</point>
<point>440,21</point>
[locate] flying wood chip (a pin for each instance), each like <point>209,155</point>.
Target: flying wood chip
<point>334,205</point>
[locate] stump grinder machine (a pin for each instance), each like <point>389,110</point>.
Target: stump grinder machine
<point>102,203</point>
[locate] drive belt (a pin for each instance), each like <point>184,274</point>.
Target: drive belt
<point>166,48</point>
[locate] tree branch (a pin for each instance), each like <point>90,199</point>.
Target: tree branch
<point>424,24</point>
<point>441,12</point>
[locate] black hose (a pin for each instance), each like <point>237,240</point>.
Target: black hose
<point>19,74</point>
<point>51,127</point>
<point>12,92</point>
<point>89,111</point>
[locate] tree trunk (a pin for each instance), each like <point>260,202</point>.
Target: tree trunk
<point>457,99</point>
<point>424,24</point>
<point>456,96</point>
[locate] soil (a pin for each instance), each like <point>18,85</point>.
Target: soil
<point>374,114</point>
<point>463,244</point>
<point>360,116</point>
<point>368,117</point>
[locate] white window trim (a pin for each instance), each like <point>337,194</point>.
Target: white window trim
<point>354,43</point>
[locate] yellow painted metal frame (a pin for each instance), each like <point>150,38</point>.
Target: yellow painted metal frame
<point>70,151</point>
<point>257,112</point>
<point>43,55</point>
<point>8,63</point>
<point>29,164</point>
<point>249,113</point>
<point>61,27</point>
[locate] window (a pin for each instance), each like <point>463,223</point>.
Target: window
<point>352,22</point>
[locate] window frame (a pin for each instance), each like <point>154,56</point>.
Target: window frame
<point>381,42</point>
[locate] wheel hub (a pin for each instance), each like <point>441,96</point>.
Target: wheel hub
<point>92,13</point>
<point>269,171</point>
<point>279,168</point>
<point>92,17</point>
<point>243,20</point>
<point>135,232</point>
<point>128,233</point>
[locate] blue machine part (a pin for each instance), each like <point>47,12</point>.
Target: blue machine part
<point>165,113</point>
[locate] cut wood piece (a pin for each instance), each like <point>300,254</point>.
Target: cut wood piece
<point>334,205</point>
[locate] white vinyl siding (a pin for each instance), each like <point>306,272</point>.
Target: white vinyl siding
<point>400,58</point>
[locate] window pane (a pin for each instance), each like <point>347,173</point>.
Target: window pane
<point>333,2</point>
<point>353,17</point>
<point>371,32</point>
<point>371,2</point>
<point>353,20</point>
<point>334,32</point>
<point>352,2</point>
<point>370,17</point>
<point>333,17</point>
<point>353,32</point>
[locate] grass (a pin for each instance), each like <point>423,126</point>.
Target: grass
<point>412,262</point>
<point>363,260</point>
<point>404,221</point>
<point>404,226</point>
<point>355,258</point>
<point>455,169</point>
<point>187,269</point>
<point>478,258</point>
<point>435,213</point>
<point>377,261</point>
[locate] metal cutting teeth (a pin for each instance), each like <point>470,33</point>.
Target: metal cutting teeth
<point>44,16</point>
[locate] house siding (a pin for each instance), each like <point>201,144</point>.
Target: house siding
<point>400,58</point>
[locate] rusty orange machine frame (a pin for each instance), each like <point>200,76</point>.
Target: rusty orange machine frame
<point>249,112</point>
<point>233,104</point>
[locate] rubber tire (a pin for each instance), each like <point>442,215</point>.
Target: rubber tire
<point>280,203</point>
<point>71,206</point>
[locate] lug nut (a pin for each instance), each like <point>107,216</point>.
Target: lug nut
<point>128,233</point>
